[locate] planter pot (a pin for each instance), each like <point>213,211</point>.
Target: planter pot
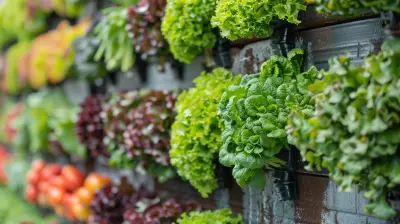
<point>285,179</point>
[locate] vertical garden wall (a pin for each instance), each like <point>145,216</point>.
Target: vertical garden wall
<point>200,111</point>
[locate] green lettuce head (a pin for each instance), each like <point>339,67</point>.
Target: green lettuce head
<point>196,132</point>
<point>187,27</point>
<point>245,19</point>
<point>255,114</point>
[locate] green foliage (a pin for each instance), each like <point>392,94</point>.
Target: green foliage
<point>255,115</point>
<point>63,126</point>
<point>356,7</point>
<point>187,27</point>
<point>14,22</point>
<point>47,117</point>
<point>196,132</point>
<point>244,19</point>
<point>16,171</point>
<point>85,64</point>
<point>126,2</point>
<point>354,129</point>
<point>222,216</point>
<point>16,210</point>
<point>115,45</point>
<point>13,84</point>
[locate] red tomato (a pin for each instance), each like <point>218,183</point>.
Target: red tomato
<point>43,187</point>
<point>33,177</point>
<point>55,195</point>
<point>58,181</point>
<point>84,195</point>
<point>50,171</point>
<point>95,182</point>
<point>38,165</point>
<point>31,193</point>
<point>73,177</point>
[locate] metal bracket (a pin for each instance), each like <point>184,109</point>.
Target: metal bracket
<point>285,179</point>
<point>222,47</point>
<point>393,23</point>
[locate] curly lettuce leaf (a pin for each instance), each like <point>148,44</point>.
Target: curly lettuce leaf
<point>187,28</point>
<point>196,132</point>
<point>353,129</point>
<point>246,19</point>
<point>255,114</point>
<point>222,216</point>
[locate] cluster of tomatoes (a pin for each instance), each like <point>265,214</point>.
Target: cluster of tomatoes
<point>63,188</point>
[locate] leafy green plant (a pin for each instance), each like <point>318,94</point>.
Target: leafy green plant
<point>353,130</point>
<point>196,132</point>
<point>16,23</point>
<point>115,45</point>
<point>245,19</point>
<point>12,82</point>
<point>63,126</point>
<point>48,117</point>
<point>16,210</point>
<point>255,114</point>
<point>187,27</point>
<point>222,216</point>
<point>355,7</point>
<point>85,64</point>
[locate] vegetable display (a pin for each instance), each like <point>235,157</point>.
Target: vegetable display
<point>21,211</point>
<point>82,200</point>
<point>145,207</point>
<point>147,137</point>
<point>137,127</point>
<point>187,27</point>
<point>255,114</point>
<point>63,131</point>
<point>22,26</point>
<point>144,23</point>
<point>245,19</point>
<point>85,64</point>
<point>108,204</point>
<point>12,83</point>
<point>63,188</point>
<point>9,129</point>
<point>353,130</point>
<point>48,120</point>
<point>355,7</point>
<point>222,216</point>
<point>116,48</point>
<point>196,132</point>
<point>5,158</point>
<point>66,8</point>
<point>51,55</point>
<point>90,127</point>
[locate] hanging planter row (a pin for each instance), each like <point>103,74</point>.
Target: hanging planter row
<point>343,119</point>
<point>153,29</point>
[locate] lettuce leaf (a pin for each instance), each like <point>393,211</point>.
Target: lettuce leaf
<point>255,114</point>
<point>196,132</point>
<point>245,19</point>
<point>187,28</point>
<point>353,130</point>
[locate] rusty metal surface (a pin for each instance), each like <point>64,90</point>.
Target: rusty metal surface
<point>311,196</point>
<point>355,39</point>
